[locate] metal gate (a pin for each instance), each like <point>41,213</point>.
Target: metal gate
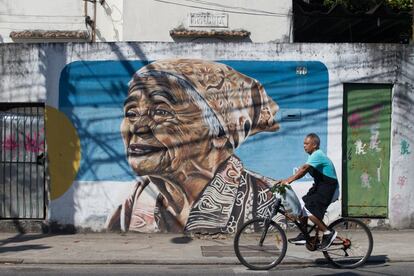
<point>367,133</point>
<point>22,166</point>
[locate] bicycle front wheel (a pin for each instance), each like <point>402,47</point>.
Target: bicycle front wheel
<point>352,245</point>
<point>257,248</point>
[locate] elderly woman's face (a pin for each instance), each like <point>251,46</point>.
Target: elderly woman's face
<point>162,127</point>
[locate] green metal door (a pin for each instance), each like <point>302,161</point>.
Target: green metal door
<point>366,140</point>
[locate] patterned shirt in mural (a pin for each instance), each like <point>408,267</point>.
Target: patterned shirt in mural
<point>232,197</point>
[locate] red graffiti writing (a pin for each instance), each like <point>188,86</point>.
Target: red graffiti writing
<point>31,143</point>
<point>34,144</point>
<point>10,144</point>
<point>357,120</point>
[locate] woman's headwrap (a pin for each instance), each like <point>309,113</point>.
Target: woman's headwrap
<point>233,105</point>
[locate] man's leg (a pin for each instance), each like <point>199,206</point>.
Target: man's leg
<point>303,222</point>
<point>321,225</point>
<point>328,236</point>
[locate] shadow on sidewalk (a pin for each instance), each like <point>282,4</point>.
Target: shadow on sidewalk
<point>378,259</point>
<point>372,260</point>
<point>48,230</point>
<point>20,248</point>
<point>23,238</point>
<point>181,240</point>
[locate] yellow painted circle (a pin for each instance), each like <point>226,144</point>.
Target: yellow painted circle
<point>63,150</point>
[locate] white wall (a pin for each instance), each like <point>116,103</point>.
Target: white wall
<point>19,15</point>
<point>145,20</point>
<point>401,198</point>
<point>149,20</point>
<point>109,20</point>
<point>31,73</point>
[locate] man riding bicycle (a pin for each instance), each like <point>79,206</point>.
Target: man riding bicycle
<point>322,193</point>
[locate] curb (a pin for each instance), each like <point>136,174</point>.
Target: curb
<point>174,262</point>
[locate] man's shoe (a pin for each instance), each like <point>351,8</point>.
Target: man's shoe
<point>300,239</point>
<point>327,240</point>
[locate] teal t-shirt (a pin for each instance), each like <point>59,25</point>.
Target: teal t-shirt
<point>319,161</point>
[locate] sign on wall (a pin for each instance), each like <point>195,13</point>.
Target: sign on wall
<point>203,19</point>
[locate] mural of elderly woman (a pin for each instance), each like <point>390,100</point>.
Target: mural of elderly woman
<point>183,120</point>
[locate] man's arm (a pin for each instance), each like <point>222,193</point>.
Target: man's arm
<point>299,174</point>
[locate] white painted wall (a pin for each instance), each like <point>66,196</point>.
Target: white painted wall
<point>31,73</point>
<point>145,20</point>
<point>401,199</point>
<point>19,15</point>
<point>151,20</point>
<point>110,20</point>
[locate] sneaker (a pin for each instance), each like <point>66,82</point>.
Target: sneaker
<point>300,239</point>
<point>327,240</point>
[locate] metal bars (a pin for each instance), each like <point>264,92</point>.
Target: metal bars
<point>22,166</point>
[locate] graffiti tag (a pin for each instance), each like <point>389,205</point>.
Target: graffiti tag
<point>365,180</point>
<point>10,143</point>
<point>374,139</point>
<point>401,181</point>
<point>34,144</point>
<point>31,143</point>
<point>379,171</point>
<point>360,147</point>
<point>350,154</point>
<point>405,147</point>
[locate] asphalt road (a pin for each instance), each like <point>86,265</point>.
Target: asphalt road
<point>406,268</point>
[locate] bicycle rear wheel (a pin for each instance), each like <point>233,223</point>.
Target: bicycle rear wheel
<point>353,244</point>
<point>256,255</point>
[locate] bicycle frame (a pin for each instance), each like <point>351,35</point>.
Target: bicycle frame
<point>277,209</point>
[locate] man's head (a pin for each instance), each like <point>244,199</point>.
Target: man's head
<point>179,110</point>
<point>311,143</point>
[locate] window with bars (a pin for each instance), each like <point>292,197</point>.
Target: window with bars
<point>22,156</point>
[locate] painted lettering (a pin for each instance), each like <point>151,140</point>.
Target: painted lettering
<point>374,139</point>
<point>10,143</point>
<point>360,147</point>
<point>379,171</point>
<point>31,143</point>
<point>405,147</point>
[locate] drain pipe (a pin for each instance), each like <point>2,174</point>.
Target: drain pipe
<point>94,22</point>
<point>88,20</point>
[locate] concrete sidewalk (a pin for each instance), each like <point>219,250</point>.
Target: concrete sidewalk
<point>110,248</point>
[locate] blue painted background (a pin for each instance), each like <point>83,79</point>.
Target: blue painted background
<point>91,94</point>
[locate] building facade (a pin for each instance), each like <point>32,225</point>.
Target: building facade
<point>65,160</point>
<point>147,20</point>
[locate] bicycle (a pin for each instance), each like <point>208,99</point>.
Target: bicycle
<point>261,244</point>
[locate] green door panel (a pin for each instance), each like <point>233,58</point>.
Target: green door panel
<point>366,137</point>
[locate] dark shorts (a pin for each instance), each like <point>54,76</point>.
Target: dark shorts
<point>318,199</point>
